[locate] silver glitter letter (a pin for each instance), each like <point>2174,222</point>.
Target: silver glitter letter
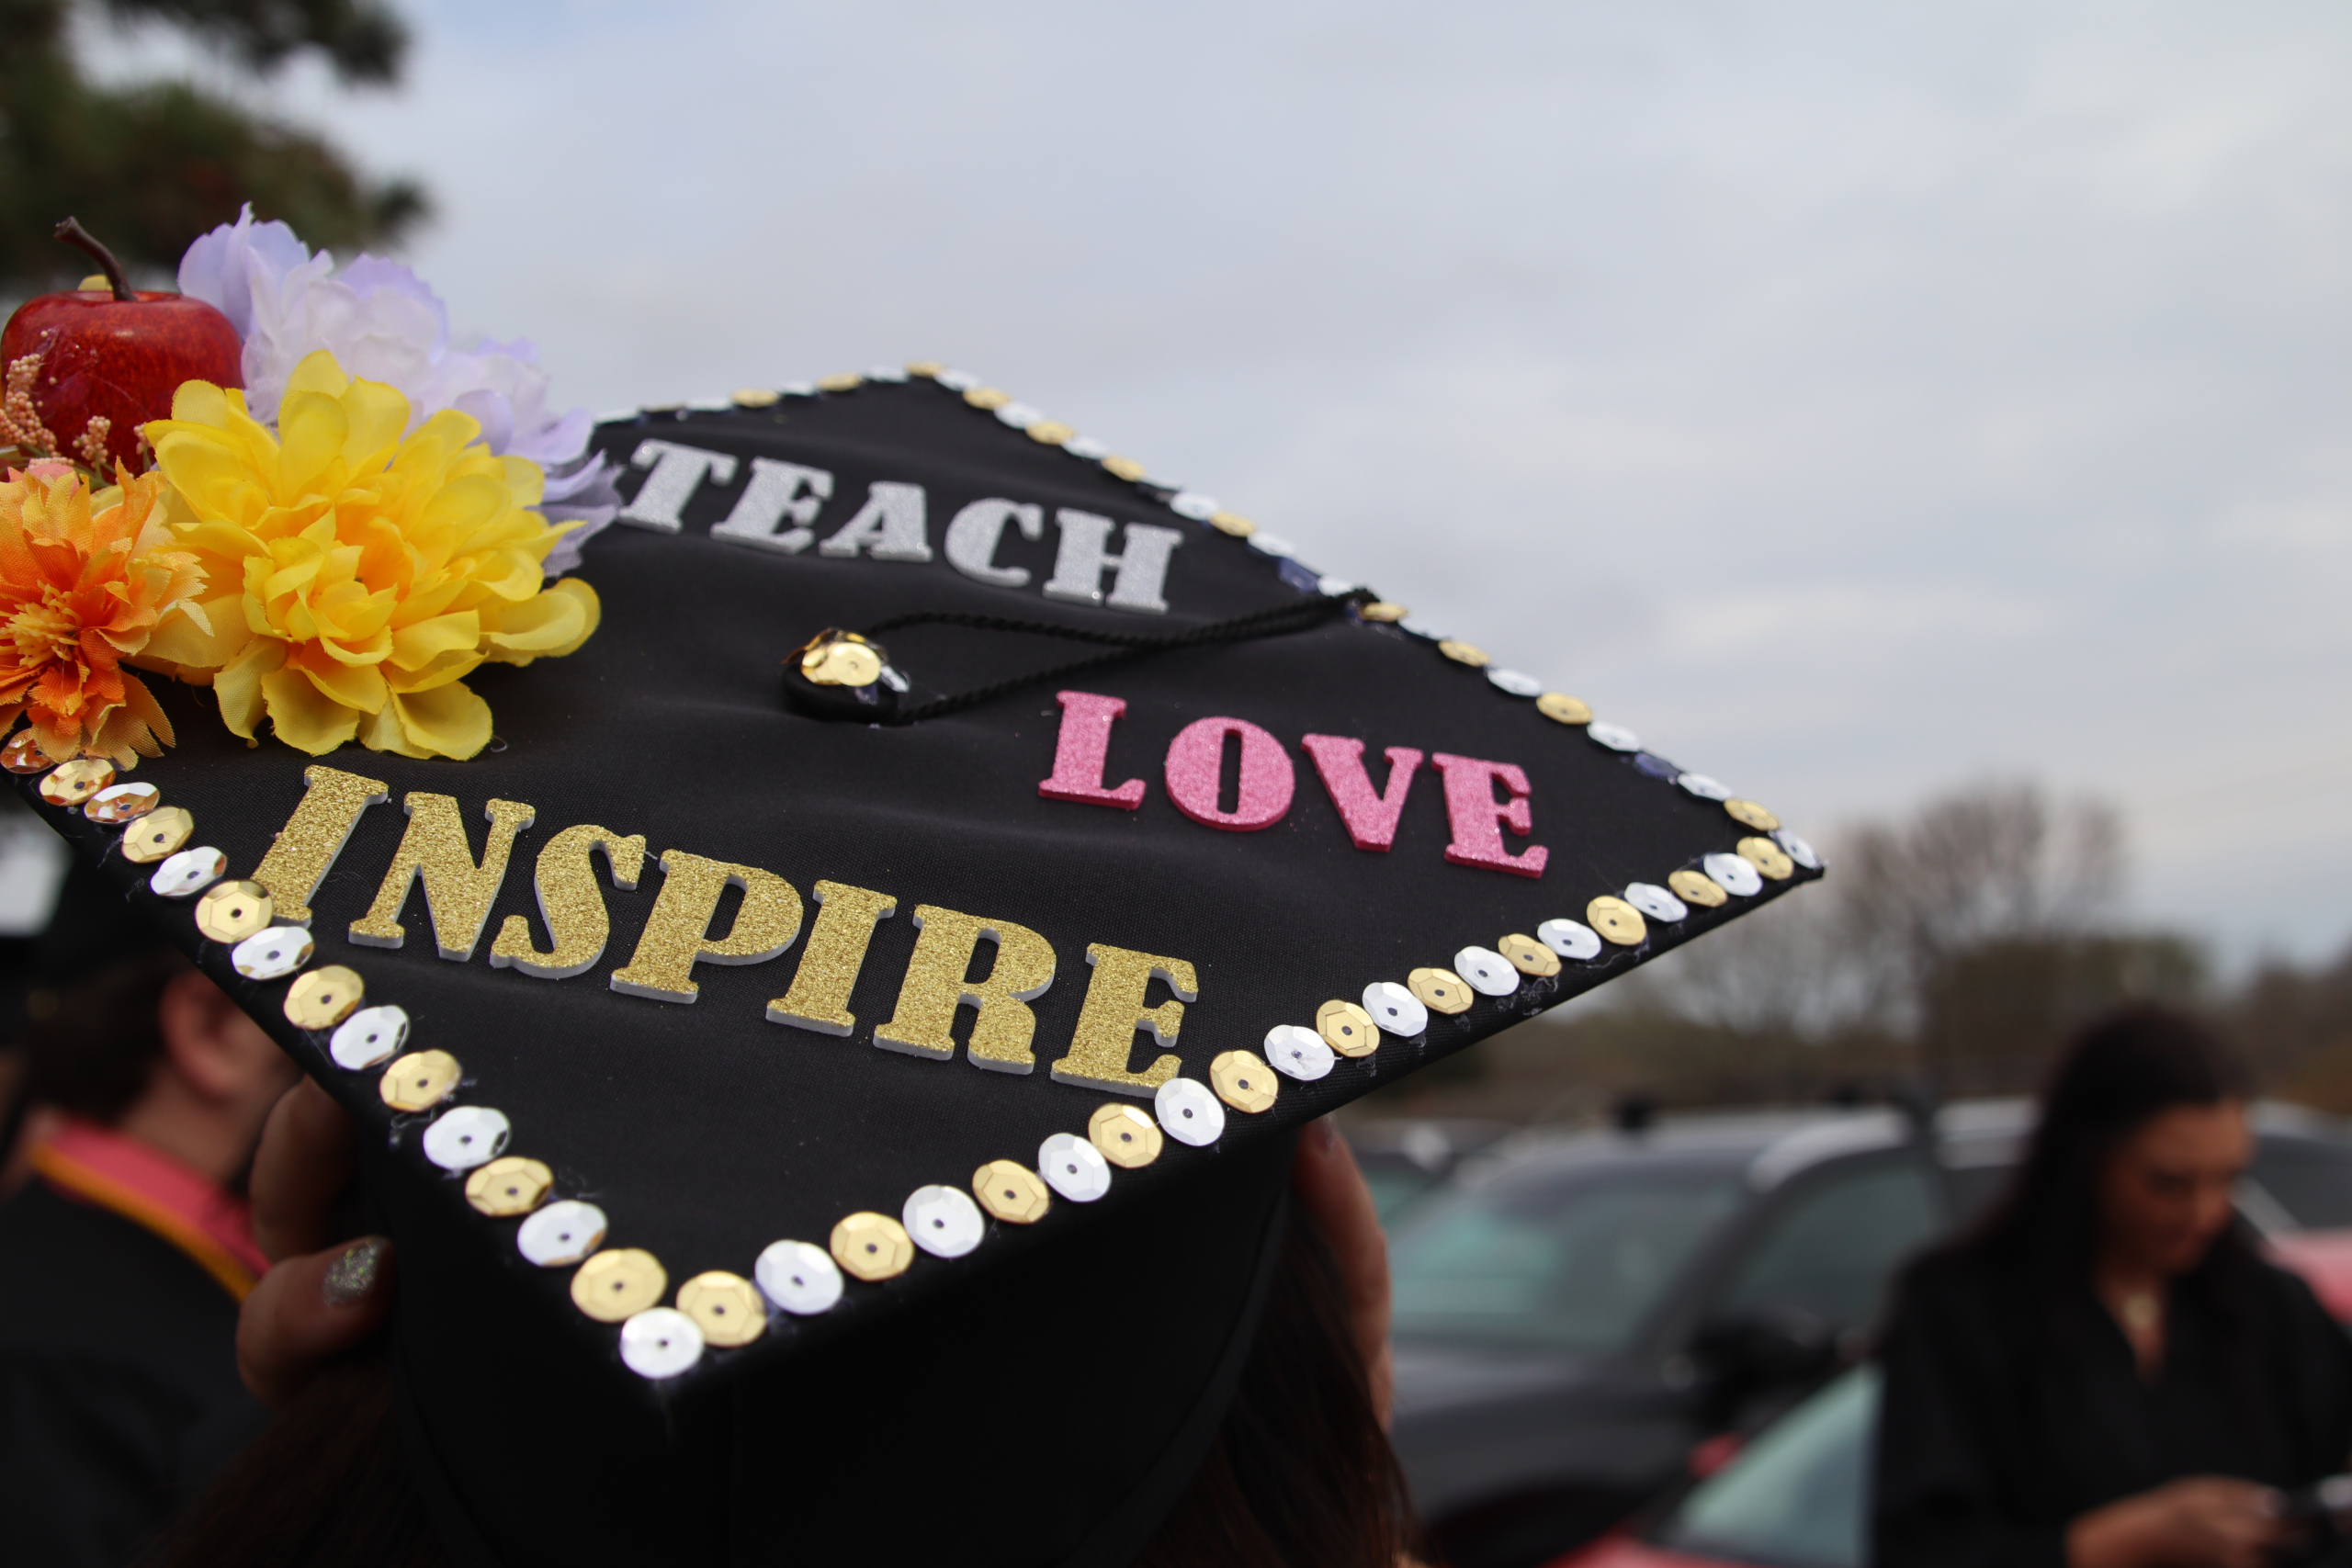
<point>889,525</point>
<point>677,473</point>
<point>972,538</point>
<point>773,495</point>
<point>1142,567</point>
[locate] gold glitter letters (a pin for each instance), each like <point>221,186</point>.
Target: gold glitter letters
<point>570,903</point>
<point>818,998</point>
<point>935,985</point>
<point>306,847</point>
<point>1105,1037</point>
<point>677,934</point>
<point>457,893</point>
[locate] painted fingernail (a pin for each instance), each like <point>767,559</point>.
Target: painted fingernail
<point>351,1278</point>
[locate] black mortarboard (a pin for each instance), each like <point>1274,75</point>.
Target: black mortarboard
<point>896,682</point>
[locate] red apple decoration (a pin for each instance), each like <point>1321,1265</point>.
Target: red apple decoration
<point>116,355</point>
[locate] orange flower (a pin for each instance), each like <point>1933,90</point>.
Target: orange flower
<point>80,591</point>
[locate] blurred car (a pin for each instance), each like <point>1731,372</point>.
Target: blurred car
<point>1405,1161</point>
<point>1796,1495</point>
<point>1580,1312</point>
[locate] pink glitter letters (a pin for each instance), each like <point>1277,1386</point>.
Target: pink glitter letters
<point>1371,819</point>
<point>1083,750</point>
<point>1196,759</point>
<point>1479,818</point>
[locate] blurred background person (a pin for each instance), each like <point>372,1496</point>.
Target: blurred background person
<point>128,1246</point>
<point>2104,1373</point>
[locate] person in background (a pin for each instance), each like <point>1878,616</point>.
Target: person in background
<point>125,1254</point>
<point>2105,1373</point>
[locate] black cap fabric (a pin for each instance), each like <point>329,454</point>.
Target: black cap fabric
<point>1261,799</point>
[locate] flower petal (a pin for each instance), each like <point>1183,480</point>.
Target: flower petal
<point>305,717</point>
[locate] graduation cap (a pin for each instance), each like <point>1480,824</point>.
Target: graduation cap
<point>842,1039</point>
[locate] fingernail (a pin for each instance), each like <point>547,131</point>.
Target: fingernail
<point>1324,1135</point>
<point>351,1278</point>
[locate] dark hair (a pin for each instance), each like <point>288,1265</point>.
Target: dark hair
<point>91,1046</point>
<point>1299,1472</point>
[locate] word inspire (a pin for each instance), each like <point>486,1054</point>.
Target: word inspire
<point>459,891</point>
<point>1197,764</point>
<point>780,502</point>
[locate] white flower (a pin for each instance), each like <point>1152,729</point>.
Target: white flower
<point>383,323</point>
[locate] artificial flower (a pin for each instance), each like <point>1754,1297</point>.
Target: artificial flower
<point>356,573</point>
<point>383,323</point>
<point>84,580</point>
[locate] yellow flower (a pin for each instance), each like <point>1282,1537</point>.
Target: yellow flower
<point>355,576</point>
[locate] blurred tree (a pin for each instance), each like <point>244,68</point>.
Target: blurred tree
<point>149,166</point>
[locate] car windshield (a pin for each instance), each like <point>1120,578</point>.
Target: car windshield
<point>1795,1498</point>
<point>1570,1261</point>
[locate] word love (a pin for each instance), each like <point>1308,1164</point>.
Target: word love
<point>1196,769</point>
<point>781,504</point>
<point>459,891</point>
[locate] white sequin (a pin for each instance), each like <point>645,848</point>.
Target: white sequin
<point>1513,681</point>
<point>798,389</point>
<point>1704,787</point>
<point>957,380</point>
<point>1395,1008</point>
<point>890,373</point>
<point>1333,587</point>
<point>1488,971</point>
<point>661,1342</point>
<point>1271,545</point>
<point>1073,1167</point>
<point>1799,851</point>
<point>562,1233</point>
<point>1086,447</point>
<point>466,1137</point>
<point>190,872</point>
<point>369,1036</point>
<point>1617,738</point>
<point>798,1277</point>
<point>1569,939</point>
<point>1299,1051</point>
<point>1021,416</point>
<point>272,954</point>
<point>1188,1113</point>
<point>1655,901</point>
<point>1733,875</point>
<point>944,1220</point>
<point>1194,506</point>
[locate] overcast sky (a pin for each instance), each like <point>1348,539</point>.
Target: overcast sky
<point>1856,399</point>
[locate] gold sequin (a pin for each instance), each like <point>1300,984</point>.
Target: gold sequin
<point>231,912</point>
<point>1468,653</point>
<point>1242,1080</point>
<point>618,1284</point>
<point>117,804</point>
<point>818,997</point>
<point>1347,1028</point>
<point>1126,469</point>
<point>419,1081</point>
<point>457,892</point>
<point>926,368</point>
<point>1105,1037</point>
<point>71,784</point>
<point>1696,887</point>
<point>988,399</point>
<point>935,987</point>
<point>158,833</point>
<point>1439,990</point>
<point>570,903</point>
<point>1562,708</point>
<point>725,1308</point>
<point>306,847</point>
<point>1127,1134</point>
<point>324,998</point>
<point>1233,523</point>
<point>23,753</point>
<point>1012,1191</point>
<point>1617,920</point>
<point>1747,814</point>
<point>509,1186</point>
<point>1051,433</point>
<point>847,381</point>
<point>1767,857</point>
<point>1383,610</point>
<point>755,397</point>
<point>1529,956</point>
<point>677,934</point>
<point>872,1247</point>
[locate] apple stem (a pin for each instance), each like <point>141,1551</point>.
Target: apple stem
<point>74,234</point>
